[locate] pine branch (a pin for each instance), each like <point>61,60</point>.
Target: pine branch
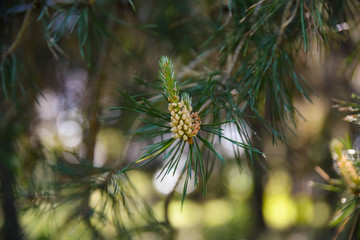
<point>285,20</point>
<point>314,23</point>
<point>186,125</point>
<point>98,82</point>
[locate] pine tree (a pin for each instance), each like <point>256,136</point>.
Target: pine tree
<point>171,77</point>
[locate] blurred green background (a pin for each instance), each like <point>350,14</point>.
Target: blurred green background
<point>270,200</point>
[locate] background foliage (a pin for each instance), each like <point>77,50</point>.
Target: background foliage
<point>263,76</point>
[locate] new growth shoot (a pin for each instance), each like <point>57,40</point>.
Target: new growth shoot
<point>184,123</point>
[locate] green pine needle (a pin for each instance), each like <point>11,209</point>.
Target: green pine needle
<point>187,100</point>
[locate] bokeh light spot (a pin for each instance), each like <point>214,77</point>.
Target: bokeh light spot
<point>165,184</point>
<point>279,211</point>
<point>189,215</point>
<point>322,213</point>
<point>217,212</point>
<point>239,184</point>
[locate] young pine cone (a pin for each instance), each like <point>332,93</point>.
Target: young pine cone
<point>184,124</point>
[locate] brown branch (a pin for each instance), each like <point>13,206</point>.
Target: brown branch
<point>322,173</point>
<point>254,5</point>
<point>20,35</point>
<point>232,60</point>
<point>341,228</point>
<point>313,21</point>
<point>285,20</point>
<point>247,11</point>
<point>354,225</point>
<point>96,86</point>
<point>194,63</point>
<point>191,17</point>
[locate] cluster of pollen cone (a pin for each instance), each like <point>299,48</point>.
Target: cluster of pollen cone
<point>184,124</point>
<point>345,162</point>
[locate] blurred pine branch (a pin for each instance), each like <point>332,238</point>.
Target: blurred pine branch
<point>243,70</point>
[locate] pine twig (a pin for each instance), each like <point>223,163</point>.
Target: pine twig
<point>194,63</point>
<point>20,35</point>
<point>354,225</point>
<point>94,124</point>
<point>254,5</point>
<point>341,228</point>
<point>231,64</point>
<point>323,174</point>
<point>286,21</point>
<point>232,60</point>
<point>313,21</point>
<point>97,85</point>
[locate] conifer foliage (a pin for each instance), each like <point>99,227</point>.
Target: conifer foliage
<point>208,65</point>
